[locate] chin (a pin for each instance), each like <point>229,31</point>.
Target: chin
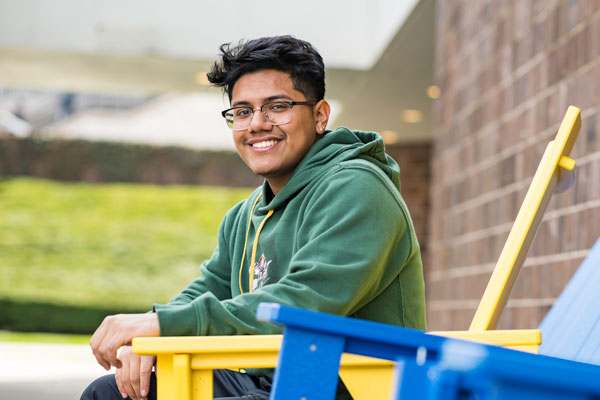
<point>264,172</point>
<point>262,168</point>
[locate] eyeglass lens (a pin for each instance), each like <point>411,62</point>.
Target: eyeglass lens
<point>276,113</point>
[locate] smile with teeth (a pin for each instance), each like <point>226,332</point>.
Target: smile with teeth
<point>264,144</point>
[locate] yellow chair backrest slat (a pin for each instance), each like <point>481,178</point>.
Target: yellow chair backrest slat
<point>554,166</point>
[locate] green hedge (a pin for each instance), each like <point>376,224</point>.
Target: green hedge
<point>95,161</point>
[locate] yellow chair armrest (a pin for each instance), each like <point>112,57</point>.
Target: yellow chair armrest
<point>201,355</point>
<point>517,339</point>
<point>206,344</point>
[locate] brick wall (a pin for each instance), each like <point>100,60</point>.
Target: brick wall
<point>507,72</point>
<point>414,161</point>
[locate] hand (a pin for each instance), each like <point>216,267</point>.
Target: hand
<point>133,378</point>
<point>118,330</point>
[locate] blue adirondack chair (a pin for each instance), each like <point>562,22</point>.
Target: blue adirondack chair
<point>571,331</point>
<point>313,343</point>
<point>468,370</point>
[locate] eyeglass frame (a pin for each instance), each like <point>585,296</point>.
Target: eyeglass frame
<point>289,102</point>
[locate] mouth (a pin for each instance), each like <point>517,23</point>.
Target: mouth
<point>265,144</point>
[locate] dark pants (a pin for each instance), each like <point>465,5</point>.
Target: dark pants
<point>227,385</point>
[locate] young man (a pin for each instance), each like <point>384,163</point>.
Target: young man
<point>327,231</point>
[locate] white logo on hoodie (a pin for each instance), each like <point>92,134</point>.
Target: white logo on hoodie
<point>260,271</point>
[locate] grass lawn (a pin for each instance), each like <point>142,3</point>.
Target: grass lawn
<point>43,338</point>
<point>127,245</point>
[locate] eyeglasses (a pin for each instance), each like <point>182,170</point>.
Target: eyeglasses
<point>275,113</point>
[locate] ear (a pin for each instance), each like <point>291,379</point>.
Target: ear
<point>321,113</point>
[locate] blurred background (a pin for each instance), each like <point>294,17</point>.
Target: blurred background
<point>116,166</point>
<point>103,94</point>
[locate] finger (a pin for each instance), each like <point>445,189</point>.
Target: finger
<point>126,379</point>
<point>134,374</point>
<point>146,364</point>
<point>95,342</point>
<point>104,346</point>
<point>98,334</point>
<point>101,361</point>
<point>106,353</point>
<point>110,352</point>
<point>119,379</point>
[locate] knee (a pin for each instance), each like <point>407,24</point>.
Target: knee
<point>104,387</point>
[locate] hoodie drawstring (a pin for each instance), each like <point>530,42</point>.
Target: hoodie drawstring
<point>254,245</point>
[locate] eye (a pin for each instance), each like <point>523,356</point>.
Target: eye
<point>242,112</point>
<point>278,107</point>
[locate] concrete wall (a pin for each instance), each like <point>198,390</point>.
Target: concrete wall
<point>507,72</point>
<point>349,33</point>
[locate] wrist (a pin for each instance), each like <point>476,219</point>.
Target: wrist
<point>152,325</point>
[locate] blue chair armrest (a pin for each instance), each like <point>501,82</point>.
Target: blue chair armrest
<point>360,337</point>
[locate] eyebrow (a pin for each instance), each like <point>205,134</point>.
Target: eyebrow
<point>266,100</point>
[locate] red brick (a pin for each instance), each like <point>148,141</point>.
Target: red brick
<point>521,117</point>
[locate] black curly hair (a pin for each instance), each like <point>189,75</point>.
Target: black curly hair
<point>283,53</point>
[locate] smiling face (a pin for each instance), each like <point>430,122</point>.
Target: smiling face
<point>274,151</point>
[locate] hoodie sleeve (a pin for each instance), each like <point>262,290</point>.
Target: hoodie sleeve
<point>354,241</point>
<point>179,315</point>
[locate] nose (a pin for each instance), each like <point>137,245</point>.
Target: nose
<point>259,122</point>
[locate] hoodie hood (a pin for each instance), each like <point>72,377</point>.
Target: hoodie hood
<point>334,147</point>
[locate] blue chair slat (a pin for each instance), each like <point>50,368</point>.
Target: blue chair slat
<point>596,354</point>
<point>571,329</point>
<point>470,370</point>
<point>314,342</point>
<point>589,352</point>
<point>318,356</point>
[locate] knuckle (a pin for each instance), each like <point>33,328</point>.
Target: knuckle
<point>111,319</point>
<point>146,369</point>
<point>105,351</point>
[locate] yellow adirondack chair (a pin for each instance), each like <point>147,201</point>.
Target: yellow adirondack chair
<point>184,364</point>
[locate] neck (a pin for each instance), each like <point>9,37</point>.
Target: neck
<point>276,184</point>
<point>275,188</point>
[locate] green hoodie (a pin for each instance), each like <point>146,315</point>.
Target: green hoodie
<point>337,238</point>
